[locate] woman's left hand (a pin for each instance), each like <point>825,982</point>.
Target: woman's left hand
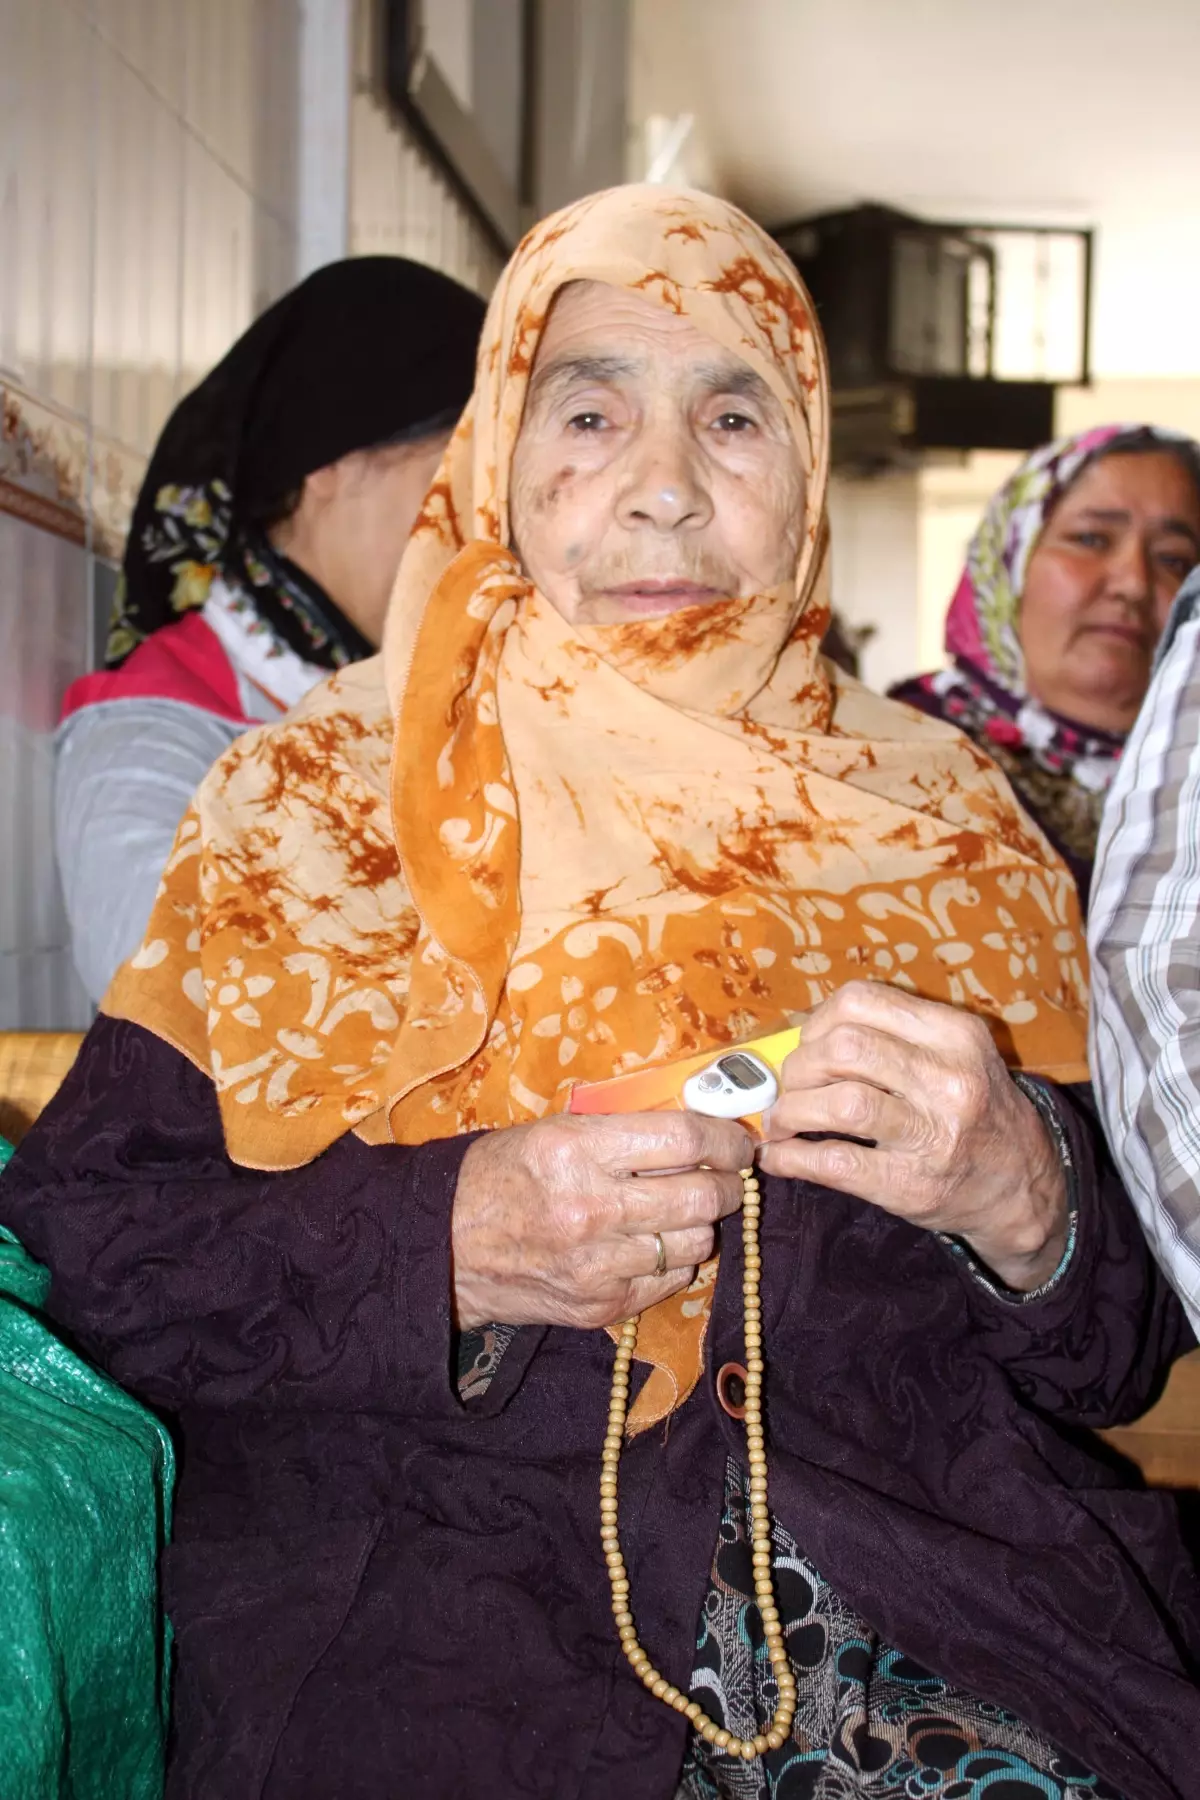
<point>953,1146</point>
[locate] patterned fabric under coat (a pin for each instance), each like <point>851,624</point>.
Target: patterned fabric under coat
<point>1061,770</point>
<point>497,861</point>
<point>870,1721</point>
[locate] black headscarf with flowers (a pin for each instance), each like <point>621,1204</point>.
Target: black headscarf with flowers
<point>373,350</point>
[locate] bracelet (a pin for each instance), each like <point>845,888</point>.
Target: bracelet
<point>1046,1110</point>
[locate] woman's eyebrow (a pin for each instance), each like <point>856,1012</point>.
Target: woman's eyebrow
<point>1117,515</point>
<point>735,377</point>
<point>566,371</point>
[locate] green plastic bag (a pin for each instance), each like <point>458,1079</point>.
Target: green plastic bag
<point>85,1489</point>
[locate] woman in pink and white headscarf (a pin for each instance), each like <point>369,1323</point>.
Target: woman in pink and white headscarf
<point>1052,629</point>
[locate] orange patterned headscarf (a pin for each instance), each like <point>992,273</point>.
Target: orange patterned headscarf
<point>511,854</point>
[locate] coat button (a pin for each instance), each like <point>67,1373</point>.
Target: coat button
<point>731,1389</point>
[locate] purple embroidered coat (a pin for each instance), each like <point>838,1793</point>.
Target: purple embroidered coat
<point>380,1592</point>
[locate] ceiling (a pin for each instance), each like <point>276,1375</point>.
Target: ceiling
<point>1042,106</point>
<point>1025,111</point>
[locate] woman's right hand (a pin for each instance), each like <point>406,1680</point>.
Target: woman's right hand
<point>552,1225</point>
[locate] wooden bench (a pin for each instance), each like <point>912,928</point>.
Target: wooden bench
<point>1165,1443</point>
<point>32,1066</point>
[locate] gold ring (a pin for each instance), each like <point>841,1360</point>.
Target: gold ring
<point>660,1262</point>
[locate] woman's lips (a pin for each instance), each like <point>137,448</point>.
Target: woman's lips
<point>1126,634</point>
<point>650,598</point>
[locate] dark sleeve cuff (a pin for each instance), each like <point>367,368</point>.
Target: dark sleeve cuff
<point>425,1349</point>
<point>1093,1346</point>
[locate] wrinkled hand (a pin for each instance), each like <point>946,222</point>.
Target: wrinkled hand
<point>954,1145</point>
<point>551,1224</point>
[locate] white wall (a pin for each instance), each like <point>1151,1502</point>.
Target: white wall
<point>147,152</point>
<point>1169,401</point>
<point>874,525</point>
<point>150,205</point>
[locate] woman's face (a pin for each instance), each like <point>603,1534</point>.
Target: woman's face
<point>354,519</point>
<point>653,470</point>
<point>1100,583</point>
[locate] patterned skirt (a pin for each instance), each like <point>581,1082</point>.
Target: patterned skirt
<point>869,1722</point>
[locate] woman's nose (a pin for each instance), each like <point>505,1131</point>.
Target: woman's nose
<point>665,488</point>
<point>1131,572</point>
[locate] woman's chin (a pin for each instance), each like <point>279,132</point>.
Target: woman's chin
<point>1110,706</point>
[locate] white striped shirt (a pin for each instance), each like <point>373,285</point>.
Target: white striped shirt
<point>1144,932</point>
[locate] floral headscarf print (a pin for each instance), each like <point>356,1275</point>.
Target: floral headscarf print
<point>512,854</point>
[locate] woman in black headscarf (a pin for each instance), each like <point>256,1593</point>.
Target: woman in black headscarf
<point>261,555</point>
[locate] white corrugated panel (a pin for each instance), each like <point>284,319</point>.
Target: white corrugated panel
<point>147,211</point>
<point>43,645</point>
<point>402,205</point>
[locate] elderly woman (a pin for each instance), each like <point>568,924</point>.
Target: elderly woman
<point>262,552</point>
<point>1052,629</point>
<point>311,1188</point>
